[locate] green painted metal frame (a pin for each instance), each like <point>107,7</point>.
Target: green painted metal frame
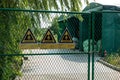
<point>48,54</point>
<point>41,54</point>
<point>44,11</point>
<point>93,38</point>
<point>89,48</point>
<point>92,14</point>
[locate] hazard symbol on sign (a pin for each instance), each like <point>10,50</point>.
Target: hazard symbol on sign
<point>28,37</point>
<point>48,37</point>
<point>66,37</point>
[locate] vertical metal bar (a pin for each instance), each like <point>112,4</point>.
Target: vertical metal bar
<point>89,36</point>
<point>89,46</point>
<point>88,66</point>
<point>80,35</point>
<point>93,17</point>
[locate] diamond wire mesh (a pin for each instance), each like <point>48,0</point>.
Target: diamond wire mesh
<point>105,36</point>
<point>55,67</point>
<point>35,66</point>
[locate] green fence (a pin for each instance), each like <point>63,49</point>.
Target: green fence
<point>49,66</point>
<point>106,32</point>
<point>95,35</point>
<point>43,64</point>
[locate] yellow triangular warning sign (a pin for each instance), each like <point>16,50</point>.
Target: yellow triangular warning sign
<point>48,37</point>
<point>28,37</point>
<point>66,37</point>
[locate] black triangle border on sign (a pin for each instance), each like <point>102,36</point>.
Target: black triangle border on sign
<point>63,35</point>
<point>42,41</point>
<point>32,36</point>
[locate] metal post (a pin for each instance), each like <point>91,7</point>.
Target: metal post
<point>89,47</point>
<point>88,66</point>
<point>93,16</point>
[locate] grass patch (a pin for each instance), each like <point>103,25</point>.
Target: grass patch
<point>113,58</point>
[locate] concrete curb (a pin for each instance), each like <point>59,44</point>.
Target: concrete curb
<point>109,65</point>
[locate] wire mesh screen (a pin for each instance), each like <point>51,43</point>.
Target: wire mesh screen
<point>43,64</point>
<point>55,67</point>
<point>107,55</point>
<point>52,66</point>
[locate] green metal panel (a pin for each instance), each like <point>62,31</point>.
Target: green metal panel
<point>85,27</point>
<point>108,32</point>
<point>111,32</point>
<point>62,28</point>
<point>72,24</point>
<point>117,31</point>
<point>110,42</point>
<point>78,29</point>
<point>84,32</point>
<point>117,39</point>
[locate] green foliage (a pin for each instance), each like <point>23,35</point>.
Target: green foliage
<point>69,5</point>
<point>9,66</point>
<point>39,33</point>
<point>12,28</point>
<point>55,26</point>
<point>86,45</point>
<point>113,58</point>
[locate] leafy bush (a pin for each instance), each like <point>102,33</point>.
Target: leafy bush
<point>113,58</point>
<point>11,33</point>
<point>9,65</point>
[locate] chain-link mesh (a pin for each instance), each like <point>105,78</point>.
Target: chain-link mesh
<point>55,67</point>
<point>106,57</point>
<point>47,66</point>
<point>60,64</point>
<point>43,64</point>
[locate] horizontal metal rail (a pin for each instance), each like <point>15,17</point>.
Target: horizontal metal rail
<point>46,11</point>
<point>42,54</point>
<point>105,12</point>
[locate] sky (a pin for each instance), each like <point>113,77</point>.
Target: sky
<point>109,2</point>
<point>105,2</point>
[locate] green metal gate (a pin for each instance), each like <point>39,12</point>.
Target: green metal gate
<point>106,54</point>
<point>44,64</point>
<point>58,60</point>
